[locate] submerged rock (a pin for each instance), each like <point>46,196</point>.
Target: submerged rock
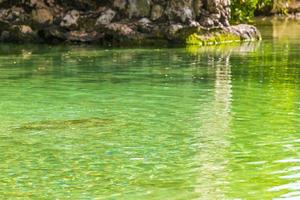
<point>65,124</point>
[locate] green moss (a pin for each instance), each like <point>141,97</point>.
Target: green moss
<point>211,39</point>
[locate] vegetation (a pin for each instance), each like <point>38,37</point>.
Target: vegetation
<point>245,10</point>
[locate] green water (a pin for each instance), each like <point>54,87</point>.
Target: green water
<point>196,123</point>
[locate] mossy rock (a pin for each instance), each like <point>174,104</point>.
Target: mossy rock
<point>211,39</point>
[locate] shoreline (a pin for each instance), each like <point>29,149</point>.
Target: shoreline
<point>121,23</point>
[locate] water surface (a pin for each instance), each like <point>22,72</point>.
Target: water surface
<point>189,123</point>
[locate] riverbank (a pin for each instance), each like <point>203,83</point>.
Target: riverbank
<point>120,22</point>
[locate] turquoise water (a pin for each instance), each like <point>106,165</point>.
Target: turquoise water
<point>81,122</point>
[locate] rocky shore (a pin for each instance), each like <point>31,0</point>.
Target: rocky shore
<point>121,22</point>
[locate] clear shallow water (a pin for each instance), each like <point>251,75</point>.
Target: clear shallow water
<point>210,123</point>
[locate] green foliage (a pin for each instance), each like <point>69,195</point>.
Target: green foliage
<point>244,10</point>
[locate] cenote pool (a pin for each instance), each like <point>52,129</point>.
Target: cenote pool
<point>183,123</point>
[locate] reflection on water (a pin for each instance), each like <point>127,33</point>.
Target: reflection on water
<point>215,119</point>
<point>196,123</point>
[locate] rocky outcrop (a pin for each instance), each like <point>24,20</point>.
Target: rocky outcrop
<point>119,22</point>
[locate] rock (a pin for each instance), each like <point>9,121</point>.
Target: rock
<point>173,30</point>
<point>15,14</point>
<point>180,10</point>
<point>144,25</point>
<point>4,36</point>
<point>120,4</point>
<point>4,25</point>
<point>224,18</point>
<point>82,36</point>
<point>106,17</point>
<point>119,20</point>
<point>144,21</point>
<point>52,34</point>
<point>197,5</point>
<point>70,20</point>
<point>37,4</point>
<point>42,16</point>
<point>17,33</point>
<point>138,8</point>
<point>206,22</point>
<point>156,12</point>
<point>186,14</point>
<point>213,6</point>
<point>82,5</point>
<point>246,32</point>
<point>215,16</point>
<point>194,23</point>
<point>119,29</point>
<point>25,29</point>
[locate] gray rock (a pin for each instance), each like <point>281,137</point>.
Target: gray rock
<point>25,29</point>
<point>17,33</point>
<point>106,17</point>
<point>42,16</point>
<point>4,36</point>
<point>70,20</point>
<point>117,20</point>
<point>197,5</point>
<point>194,23</point>
<point>173,30</point>
<point>144,21</point>
<point>207,22</point>
<point>82,36</point>
<point>138,8</point>
<point>120,4</point>
<point>246,32</point>
<point>180,10</point>
<point>156,12</point>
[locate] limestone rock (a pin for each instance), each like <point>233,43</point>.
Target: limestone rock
<point>212,6</point>
<point>119,29</point>
<point>246,32</point>
<point>37,4</point>
<point>180,10</point>
<point>106,17</point>
<point>138,8</point>
<point>17,33</point>
<point>4,36</point>
<point>53,34</point>
<point>25,29</point>
<point>82,36</point>
<point>15,14</point>
<point>197,5</point>
<point>156,12</point>
<point>42,16</point>
<point>108,21</point>
<point>173,30</point>
<point>207,22</point>
<point>120,4</point>
<point>145,25</point>
<point>70,20</point>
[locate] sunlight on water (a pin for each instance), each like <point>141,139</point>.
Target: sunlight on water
<point>192,123</point>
